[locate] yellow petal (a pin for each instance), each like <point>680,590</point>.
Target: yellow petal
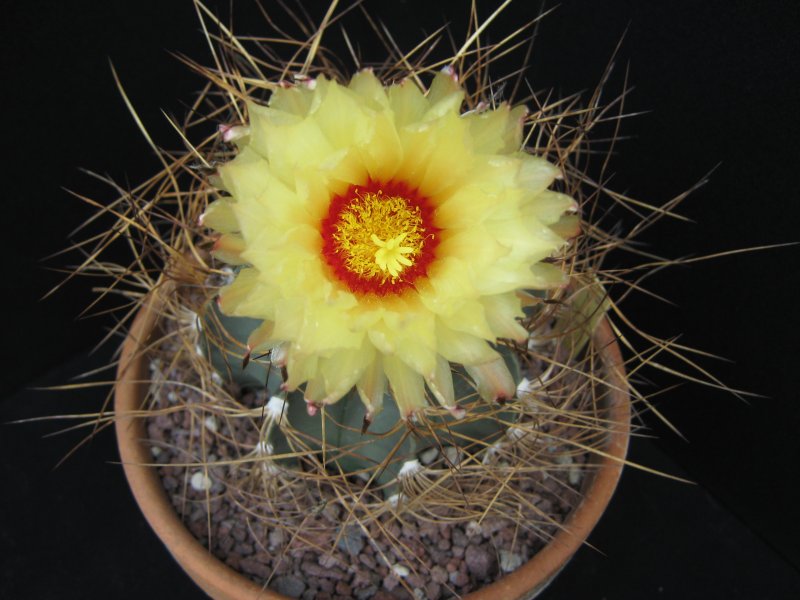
<point>407,103</point>
<point>369,88</point>
<point>300,367</point>
<point>418,356</point>
<point>440,383</point>
<point>325,328</point>
<point>246,175</point>
<point>514,126</point>
<point>527,238</point>
<point>469,317</point>
<point>292,99</point>
<point>547,276</point>
<point>240,289</point>
<point>408,386</point>
<point>449,283</point>
<point>275,207</point>
<point>372,386</point>
<point>219,215</point>
<point>567,227</point>
<point>548,207</point>
<point>462,348</point>
<point>493,380</point>
<point>497,131</point>
<point>508,276</point>
<point>444,96</point>
<point>289,316</point>
<point>228,248</point>
<point>265,125</point>
<point>261,338</point>
<point>502,312</point>
<point>475,246</point>
<point>343,370</point>
<point>315,391</point>
<point>536,174</point>
<point>382,153</point>
<point>467,207</point>
<point>341,117</point>
<point>437,155</point>
<point>286,142</point>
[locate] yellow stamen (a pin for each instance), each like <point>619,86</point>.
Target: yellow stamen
<point>371,230</point>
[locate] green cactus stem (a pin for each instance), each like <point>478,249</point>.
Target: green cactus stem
<point>339,434</point>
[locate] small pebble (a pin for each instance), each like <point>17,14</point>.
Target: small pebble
<point>367,592</point>
<point>473,529</point>
<point>509,561</point>
<point>275,538</point>
<point>479,561</point>
<point>458,578</point>
<point>283,566</point>
<point>458,537</point>
<point>400,571</point>
<point>313,569</point>
<point>225,543</point>
<point>368,560</point>
<point>352,540</point>
<point>238,532</point>
<point>433,591</point>
<point>438,574</point>
<point>200,481</point>
<point>343,589</point>
<point>390,582</point>
<point>253,567</point>
<point>362,578</point>
<point>243,549</point>
<point>288,585</point>
<point>429,529</point>
<point>328,561</point>
<point>574,475</point>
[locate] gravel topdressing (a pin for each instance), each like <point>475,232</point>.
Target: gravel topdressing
<point>302,542</point>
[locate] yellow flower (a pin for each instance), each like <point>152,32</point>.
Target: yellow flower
<point>384,235</point>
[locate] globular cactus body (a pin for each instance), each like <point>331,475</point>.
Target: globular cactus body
<point>350,443</point>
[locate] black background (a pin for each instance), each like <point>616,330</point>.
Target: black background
<point>720,82</point>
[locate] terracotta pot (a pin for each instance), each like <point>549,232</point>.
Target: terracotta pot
<point>221,582</point>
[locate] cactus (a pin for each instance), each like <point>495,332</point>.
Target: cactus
<point>384,277</point>
<point>377,449</point>
<point>412,274</point>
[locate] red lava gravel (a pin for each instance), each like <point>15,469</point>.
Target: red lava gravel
<point>315,557</point>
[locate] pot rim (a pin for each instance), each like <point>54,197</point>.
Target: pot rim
<point>221,581</point>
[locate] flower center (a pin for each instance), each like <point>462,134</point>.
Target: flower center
<point>379,238</point>
<point>370,230</point>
